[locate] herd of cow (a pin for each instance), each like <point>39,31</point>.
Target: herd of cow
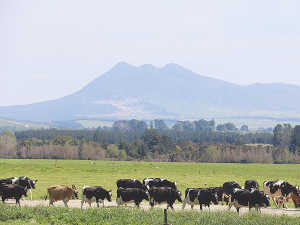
<point>162,191</point>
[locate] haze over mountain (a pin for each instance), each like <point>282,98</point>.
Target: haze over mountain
<point>172,92</point>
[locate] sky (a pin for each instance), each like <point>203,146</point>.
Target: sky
<point>50,49</point>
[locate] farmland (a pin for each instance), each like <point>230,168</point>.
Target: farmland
<point>106,173</point>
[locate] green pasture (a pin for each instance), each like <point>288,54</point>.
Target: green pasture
<point>106,173</point>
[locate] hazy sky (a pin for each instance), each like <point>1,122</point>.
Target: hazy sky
<point>49,49</point>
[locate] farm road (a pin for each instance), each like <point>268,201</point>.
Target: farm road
<point>146,206</point>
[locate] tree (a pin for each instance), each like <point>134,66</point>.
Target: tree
<point>178,126</point>
<point>151,137</point>
<point>221,127</point>
<point>112,151</point>
<point>282,135</point>
<point>239,142</point>
<point>121,126</point>
<point>244,128</point>
<point>160,125</point>
<point>97,137</point>
<point>295,139</point>
<point>187,125</point>
<point>204,125</point>
<point>8,138</point>
<point>229,126</point>
<point>287,135</point>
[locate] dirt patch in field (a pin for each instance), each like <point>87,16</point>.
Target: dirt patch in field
<point>146,206</point>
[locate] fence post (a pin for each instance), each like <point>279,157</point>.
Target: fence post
<point>166,217</point>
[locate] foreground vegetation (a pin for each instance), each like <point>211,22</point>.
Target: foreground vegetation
<point>124,215</point>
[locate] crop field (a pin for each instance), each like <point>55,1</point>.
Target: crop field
<point>106,173</point>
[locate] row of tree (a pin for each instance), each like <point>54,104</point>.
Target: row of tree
<point>152,146</point>
<point>281,146</point>
<point>113,137</point>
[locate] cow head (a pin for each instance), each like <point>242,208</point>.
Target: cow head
<point>178,196</point>
<point>213,196</point>
<point>108,196</point>
<point>144,195</point>
<point>75,191</point>
<point>32,183</point>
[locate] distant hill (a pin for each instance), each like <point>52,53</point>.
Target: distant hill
<point>171,92</point>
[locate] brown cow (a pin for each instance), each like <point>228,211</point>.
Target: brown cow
<point>296,200</point>
<point>61,192</point>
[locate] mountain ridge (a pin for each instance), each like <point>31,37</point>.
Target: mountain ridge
<point>126,91</point>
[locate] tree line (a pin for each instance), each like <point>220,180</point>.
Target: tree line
<point>200,144</point>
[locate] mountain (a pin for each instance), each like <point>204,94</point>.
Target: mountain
<point>173,92</point>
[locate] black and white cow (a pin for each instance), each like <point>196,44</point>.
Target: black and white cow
<point>159,182</point>
<point>228,188</point>
<point>22,181</point>
<point>131,183</point>
<point>251,184</point>
<point>245,198</point>
<point>12,191</point>
<point>280,188</point>
<point>131,195</point>
<point>95,194</point>
<point>206,196</point>
<point>163,195</point>
<point>191,197</point>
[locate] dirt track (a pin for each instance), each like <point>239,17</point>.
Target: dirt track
<point>145,205</point>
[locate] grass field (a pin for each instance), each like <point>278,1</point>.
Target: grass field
<point>106,173</point>
<point>124,215</point>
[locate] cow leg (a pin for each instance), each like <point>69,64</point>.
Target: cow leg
<point>223,194</point>
<point>81,203</point>
<point>137,204</point>
<point>238,210</point>
<point>285,201</point>
<point>201,207</point>
<point>51,201</point>
<point>30,194</point>
<point>171,205</point>
<point>3,199</point>
<point>192,206</point>
<point>65,202</point>
<point>97,201</point>
<point>184,202</point>
<point>230,204</point>
<point>18,201</point>
<point>275,202</point>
